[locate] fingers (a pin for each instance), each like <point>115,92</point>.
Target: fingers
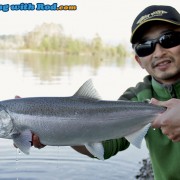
<point>171,135</point>
<point>16,97</point>
<point>154,101</point>
<point>175,139</point>
<point>168,104</point>
<point>36,142</point>
<point>156,123</point>
<point>159,103</point>
<point>160,119</point>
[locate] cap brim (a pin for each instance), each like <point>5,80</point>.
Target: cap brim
<point>133,38</point>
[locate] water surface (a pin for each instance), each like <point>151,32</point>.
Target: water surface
<point>34,74</point>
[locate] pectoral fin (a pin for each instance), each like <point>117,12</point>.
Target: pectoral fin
<point>23,141</point>
<point>96,149</point>
<point>137,137</point>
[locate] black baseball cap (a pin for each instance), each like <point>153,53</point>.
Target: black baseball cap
<point>154,13</point>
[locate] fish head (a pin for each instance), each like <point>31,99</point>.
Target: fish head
<point>6,124</point>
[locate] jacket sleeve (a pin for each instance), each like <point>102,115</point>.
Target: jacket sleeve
<point>112,147</point>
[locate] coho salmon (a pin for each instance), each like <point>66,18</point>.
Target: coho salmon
<point>81,119</point>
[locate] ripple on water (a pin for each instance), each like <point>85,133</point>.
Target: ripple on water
<point>62,163</point>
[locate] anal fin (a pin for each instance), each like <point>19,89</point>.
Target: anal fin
<point>137,137</point>
<point>96,149</point>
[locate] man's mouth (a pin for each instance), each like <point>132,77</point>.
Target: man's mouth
<point>162,64</point>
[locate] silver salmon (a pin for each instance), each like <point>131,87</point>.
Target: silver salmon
<point>81,119</point>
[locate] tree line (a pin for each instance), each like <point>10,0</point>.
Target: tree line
<point>50,37</point>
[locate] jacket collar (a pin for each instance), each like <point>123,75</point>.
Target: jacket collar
<point>166,91</point>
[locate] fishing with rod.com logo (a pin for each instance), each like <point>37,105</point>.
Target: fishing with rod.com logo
<point>36,7</point>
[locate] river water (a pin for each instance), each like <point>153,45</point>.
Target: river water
<point>33,74</point>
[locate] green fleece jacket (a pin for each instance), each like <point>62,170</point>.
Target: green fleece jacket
<point>164,154</point>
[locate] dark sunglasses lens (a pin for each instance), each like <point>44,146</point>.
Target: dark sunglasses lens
<point>170,40</point>
<point>144,49</point>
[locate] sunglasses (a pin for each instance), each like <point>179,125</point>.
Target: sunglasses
<point>167,40</point>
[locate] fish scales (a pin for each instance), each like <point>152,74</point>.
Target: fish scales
<point>73,114</point>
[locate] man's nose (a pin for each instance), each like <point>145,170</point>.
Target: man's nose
<point>159,50</point>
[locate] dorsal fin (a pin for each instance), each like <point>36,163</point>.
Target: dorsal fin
<point>87,90</point>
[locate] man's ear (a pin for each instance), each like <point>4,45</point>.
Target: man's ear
<point>139,61</point>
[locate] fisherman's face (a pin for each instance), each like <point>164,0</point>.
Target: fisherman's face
<point>163,64</point>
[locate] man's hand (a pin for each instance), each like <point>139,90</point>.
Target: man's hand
<point>169,121</point>
<point>36,142</point>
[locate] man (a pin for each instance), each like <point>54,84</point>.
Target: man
<point>156,42</point>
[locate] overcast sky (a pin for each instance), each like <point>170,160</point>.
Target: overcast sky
<point>111,19</point>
